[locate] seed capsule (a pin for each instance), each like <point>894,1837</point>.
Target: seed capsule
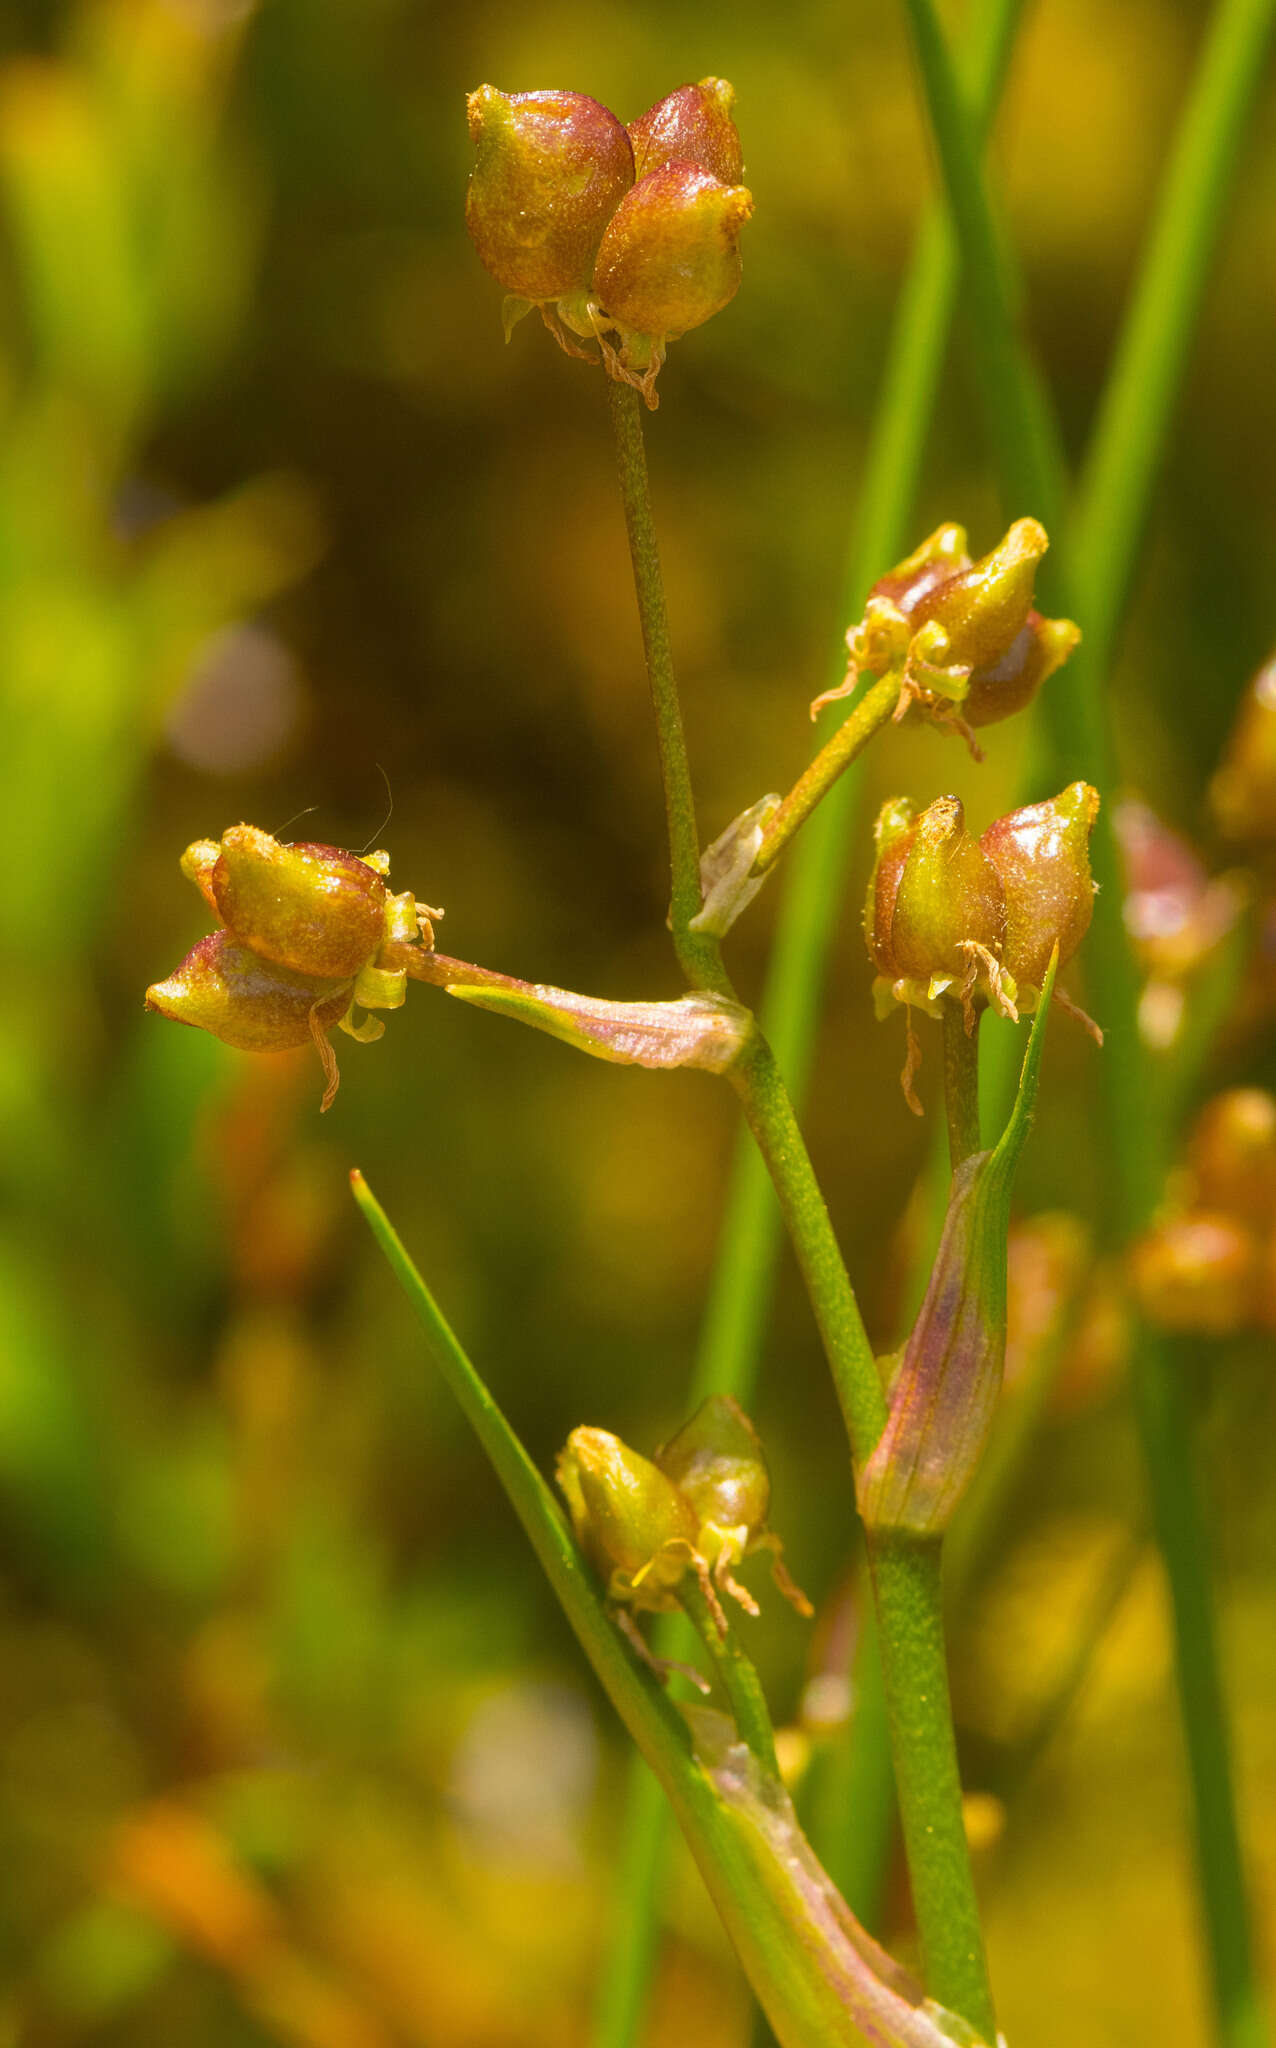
<point>315,909</point>
<point>984,607</point>
<point>631,1520</point>
<point>551,169</point>
<point>1042,856</point>
<point>718,1464</point>
<point>254,1004</point>
<point>1244,790</point>
<point>670,257</point>
<point>691,125</point>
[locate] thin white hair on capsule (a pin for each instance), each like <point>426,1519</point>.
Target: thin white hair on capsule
<point>385,821</point>
<point>279,835</point>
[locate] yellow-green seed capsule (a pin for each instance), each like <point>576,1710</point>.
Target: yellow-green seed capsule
<point>670,257</point>
<point>315,909</point>
<point>893,833</point>
<point>1243,792</point>
<point>718,1463</point>
<point>949,908</point>
<point>983,608</point>
<point>551,169</point>
<point>631,1520</point>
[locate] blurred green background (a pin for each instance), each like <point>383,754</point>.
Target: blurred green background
<point>294,1746</point>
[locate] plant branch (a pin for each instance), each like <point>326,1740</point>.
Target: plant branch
<point>698,953</point>
<point>875,709</point>
<point>756,1079</point>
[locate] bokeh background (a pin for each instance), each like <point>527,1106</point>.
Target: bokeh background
<point>294,1747</point>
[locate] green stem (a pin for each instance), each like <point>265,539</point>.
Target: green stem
<point>757,1081</point>
<point>907,1589</point>
<point>740,1680</point>
<point>810,915</point>
<point>906,1580</point>
<point>961,1084</point>
<point>875,709</point>
<point>698,953</point>
<point>811,907</point>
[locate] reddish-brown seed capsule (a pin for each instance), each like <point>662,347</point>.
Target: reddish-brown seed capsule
<point>246,1001</point>
<point>691,125</point>
<point>551,169</point>
<point>1042,856</point>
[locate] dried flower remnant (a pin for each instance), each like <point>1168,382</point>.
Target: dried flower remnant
<point>308,932</point>
<point>964,636</point>
<point>976,921</point>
